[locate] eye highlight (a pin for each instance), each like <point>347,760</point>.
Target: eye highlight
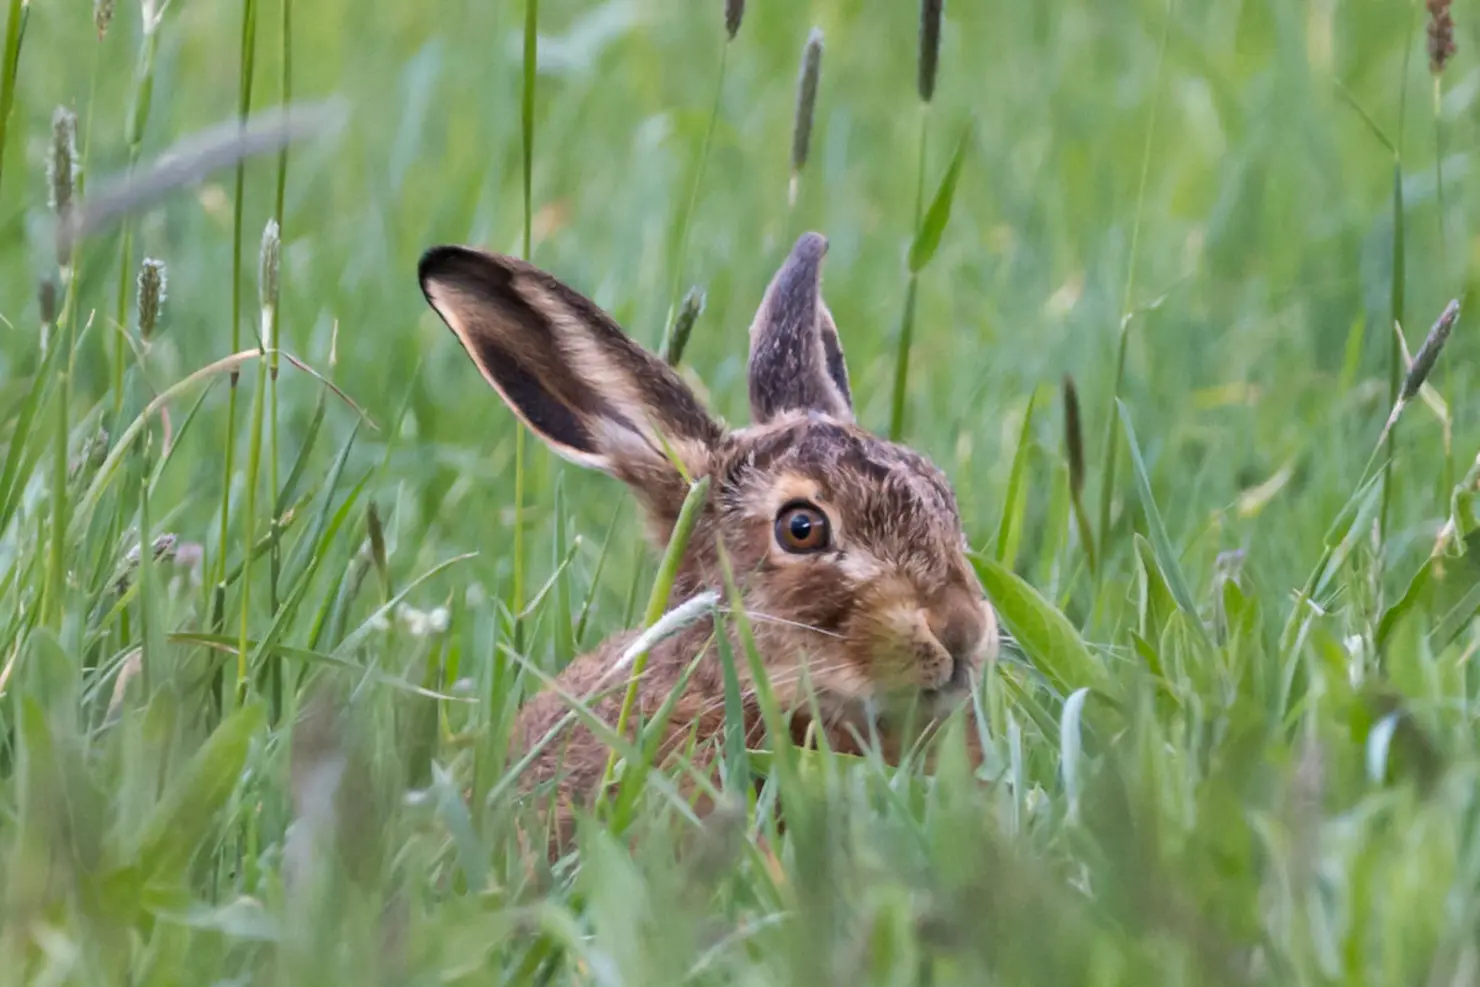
<point>802,529</point>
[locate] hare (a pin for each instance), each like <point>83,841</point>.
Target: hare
<point>848,549</point>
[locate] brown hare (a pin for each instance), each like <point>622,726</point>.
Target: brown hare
<point>848,549</point>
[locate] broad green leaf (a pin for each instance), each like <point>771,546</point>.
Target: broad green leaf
<point>182,818</point>
<point>1044,634</point>
<point>927,238</point>
<point>1443,588</point>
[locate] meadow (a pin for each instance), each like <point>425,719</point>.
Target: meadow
<point>277,567</point>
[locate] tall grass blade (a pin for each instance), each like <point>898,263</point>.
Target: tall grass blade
<point>1166,555</point>
<point>1112,434</point>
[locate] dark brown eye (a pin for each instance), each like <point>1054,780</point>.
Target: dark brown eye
<point>802,529</point>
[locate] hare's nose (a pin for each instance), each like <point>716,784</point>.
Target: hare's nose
<point>961,628</point>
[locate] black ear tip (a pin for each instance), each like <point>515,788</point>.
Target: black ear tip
<point>438,262</point>
<point>803,266</point>
<point>465,268</point>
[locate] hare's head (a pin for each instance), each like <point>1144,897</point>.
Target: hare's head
<point>849,547</point>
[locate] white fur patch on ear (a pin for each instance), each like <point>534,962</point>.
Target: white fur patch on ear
<point>451,304</point>
<point>586,357</point>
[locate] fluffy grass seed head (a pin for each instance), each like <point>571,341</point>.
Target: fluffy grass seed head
<point>61,162</point>
<point>801,134</point>
<point>1441,35</point>
<point>734,14</point>
<point>153,280</point>
<point>930,13</point>
<point>61,174</point>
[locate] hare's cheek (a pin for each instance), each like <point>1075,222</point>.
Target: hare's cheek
<point>810,595</point>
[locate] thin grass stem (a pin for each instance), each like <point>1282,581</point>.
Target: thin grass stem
<point>907,318</point>
<point>274,456</point>
<point>531,65</point>
<point>15,24</point>
<point>685,218</point>
<point>244,109</point>
<point>138,120</point>
<point>1396,300</point>
<point>1112,430</point>
<point>678,542</point>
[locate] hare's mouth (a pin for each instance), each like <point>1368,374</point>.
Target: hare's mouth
<point>950,692</point>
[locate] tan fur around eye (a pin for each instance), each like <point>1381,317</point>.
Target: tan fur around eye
<point>791,487</point>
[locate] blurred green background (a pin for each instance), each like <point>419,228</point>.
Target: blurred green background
<point>1214,178</point>
<point>1265,226</point>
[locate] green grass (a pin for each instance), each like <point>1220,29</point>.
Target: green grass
<point>1239,748</point>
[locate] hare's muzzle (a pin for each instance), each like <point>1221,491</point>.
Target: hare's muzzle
<point>966,629</point>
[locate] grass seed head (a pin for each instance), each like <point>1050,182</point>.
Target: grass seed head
<point>153,280</point>
<point>1428,353</point>
<point>377,543</point>
<point>61,163</point>
<point>61,173</point>
<point>930,11</point>
<point>1073,436</point>
<point>801,134</point>
<point>734,14</point>
<point>683,325</point>
<point>1441,35</point>
<point>46,301</point>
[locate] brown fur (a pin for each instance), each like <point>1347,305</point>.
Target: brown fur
<point>891,612</point>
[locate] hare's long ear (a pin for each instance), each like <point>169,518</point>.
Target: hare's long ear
<point>570,373</point>
<point>796,359</point>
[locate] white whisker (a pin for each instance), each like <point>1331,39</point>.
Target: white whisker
<point>772,619</point>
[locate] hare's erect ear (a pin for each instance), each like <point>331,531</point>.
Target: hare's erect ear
<point>569,372</point>
<point>796,359</point>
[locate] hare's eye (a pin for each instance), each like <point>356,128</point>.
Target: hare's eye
<point>802,529</point>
